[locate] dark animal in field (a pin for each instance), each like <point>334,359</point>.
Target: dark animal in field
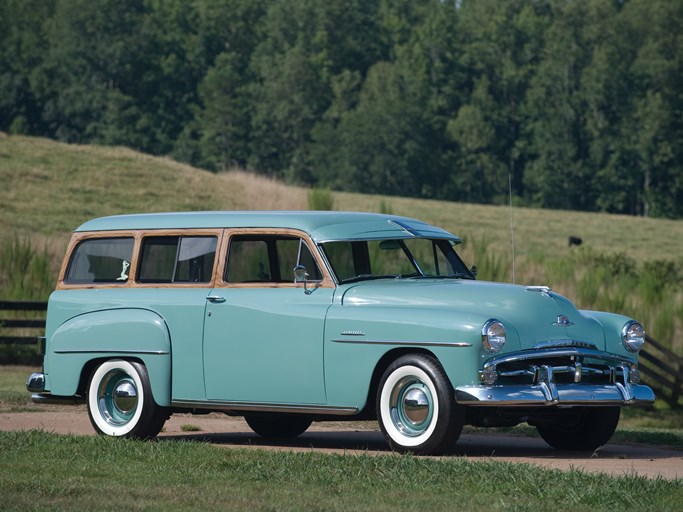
<point>574,240</point>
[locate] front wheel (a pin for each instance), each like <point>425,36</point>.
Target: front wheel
<point>581,428</point>
<point>120,401</point>
<point>416,408</point>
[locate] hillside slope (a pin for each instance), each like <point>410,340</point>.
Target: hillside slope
<point>49,188</point>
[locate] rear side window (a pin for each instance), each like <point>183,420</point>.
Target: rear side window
<point>101,260</point>
<point>177,259</point>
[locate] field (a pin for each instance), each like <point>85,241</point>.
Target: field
<point>43,471</point>
<point>626,264</point>
<point>50,188</point>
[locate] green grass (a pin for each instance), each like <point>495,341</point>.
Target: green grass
<point>13,394</point>
<point>42,471</point>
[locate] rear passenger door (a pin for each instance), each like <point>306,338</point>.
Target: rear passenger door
<point>263,334</point>
<point>174,275</point>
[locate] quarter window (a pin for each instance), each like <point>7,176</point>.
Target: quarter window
<point>177,259</point>
<point>101,260</point>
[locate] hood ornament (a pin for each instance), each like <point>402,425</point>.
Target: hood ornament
<point>563,321</point>
<point>541,289</point>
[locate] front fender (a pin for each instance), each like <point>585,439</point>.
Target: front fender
<point>107,334</point>
<point>612,324</point>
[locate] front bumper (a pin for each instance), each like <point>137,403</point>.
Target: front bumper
<point>551,394</point>
<point>571,376</point>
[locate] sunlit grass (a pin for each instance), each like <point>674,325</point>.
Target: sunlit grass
<point>41,471</point>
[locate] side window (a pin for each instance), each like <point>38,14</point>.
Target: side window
<point>100,260</point>
<point>176,259</point>
<point>288,255</point>
<point>248,261</point>
<point>267,259</point>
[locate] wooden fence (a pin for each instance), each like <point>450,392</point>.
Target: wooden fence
<point>660,368</point>
<point>25,330</point>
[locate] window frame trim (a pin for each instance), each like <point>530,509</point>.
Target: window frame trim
<point>138,235</point>
<point>325,282</point>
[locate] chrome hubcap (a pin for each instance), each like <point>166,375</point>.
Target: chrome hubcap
<point>411,406</point>
<point>416,406</point>
<point>125,397</point>
<point>117,398</point>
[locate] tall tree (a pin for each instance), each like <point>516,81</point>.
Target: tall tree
<point>502,45</point>
<point>22,47</point>
<point>231,30</point>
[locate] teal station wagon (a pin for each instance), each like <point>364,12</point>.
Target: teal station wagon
<point>290,317</point>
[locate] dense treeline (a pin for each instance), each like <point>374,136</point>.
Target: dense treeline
<point>578,103</point>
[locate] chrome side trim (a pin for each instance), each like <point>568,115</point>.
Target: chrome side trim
<point>261,407</point>
<point>408,343</point>
<point>86,351</point>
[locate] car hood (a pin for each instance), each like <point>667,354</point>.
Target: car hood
<point>532,315</point>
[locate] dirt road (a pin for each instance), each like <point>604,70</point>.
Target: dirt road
<point>228,432</point>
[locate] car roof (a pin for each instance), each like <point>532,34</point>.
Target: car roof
<point>322,226</point>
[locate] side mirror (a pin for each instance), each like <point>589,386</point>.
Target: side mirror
<point>473,271</point>
<point>301,276</point>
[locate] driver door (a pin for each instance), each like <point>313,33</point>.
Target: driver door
<point>263,333</point>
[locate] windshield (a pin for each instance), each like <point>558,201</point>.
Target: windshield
<point>409,258</point>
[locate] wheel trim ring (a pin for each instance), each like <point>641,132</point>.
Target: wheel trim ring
<point>385,410</point>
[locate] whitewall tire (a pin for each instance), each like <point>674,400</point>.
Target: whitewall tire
<point>416,408</point>
<point>120,401</point>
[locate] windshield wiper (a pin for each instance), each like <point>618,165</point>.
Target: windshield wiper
<point>459,275</point>
<point>367,277</point>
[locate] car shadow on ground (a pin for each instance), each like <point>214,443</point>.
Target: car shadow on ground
<point>469,445</point>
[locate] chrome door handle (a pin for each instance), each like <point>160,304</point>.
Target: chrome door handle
<point>216,299</point>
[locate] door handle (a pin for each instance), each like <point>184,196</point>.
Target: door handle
<point>216,299</point>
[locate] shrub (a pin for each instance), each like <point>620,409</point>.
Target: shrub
<point>320,199</point>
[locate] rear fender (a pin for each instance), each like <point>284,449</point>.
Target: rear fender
<point>136,334</point>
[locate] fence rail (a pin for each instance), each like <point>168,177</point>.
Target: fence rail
<point>662,369</point>
<point>25,324</point>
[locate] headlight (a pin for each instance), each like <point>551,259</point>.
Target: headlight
<point>633,336</point>
<point>493,335</point>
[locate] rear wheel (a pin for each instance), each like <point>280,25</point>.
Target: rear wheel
<point>278,426</point>
<point>120,401</point>
<point>581,428</point>
<point>416,408</point>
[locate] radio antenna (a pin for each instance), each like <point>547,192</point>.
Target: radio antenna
<point>512,228</point>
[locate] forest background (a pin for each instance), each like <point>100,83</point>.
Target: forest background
<point>574,104</point>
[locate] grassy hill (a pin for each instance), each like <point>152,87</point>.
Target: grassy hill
<point>626,264</point>
<point>49,188</point>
